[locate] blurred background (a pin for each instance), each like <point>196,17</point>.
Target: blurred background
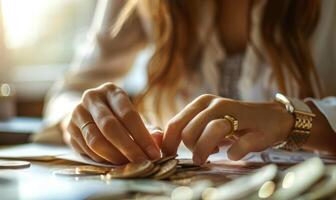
<point>38,39</point>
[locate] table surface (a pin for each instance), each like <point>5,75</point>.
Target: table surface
<point>39,182</point>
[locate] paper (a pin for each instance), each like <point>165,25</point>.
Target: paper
<point>82,159</point>
<point>40,152</point>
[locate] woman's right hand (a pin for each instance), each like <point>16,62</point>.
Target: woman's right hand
<point>106,127</point>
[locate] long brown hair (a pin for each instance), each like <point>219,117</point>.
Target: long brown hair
<point>286,27</point>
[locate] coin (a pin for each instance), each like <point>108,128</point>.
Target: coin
<point>184,169</point>
<point>70,172</point>
<point>151,172</point>
<point>131,170</point>
<point>92,169</point>
<point>166,175</point>
<point>164,159</point>
<point>182,175</point>
<point>11,164</point>
<point>166,169</point>
<point>186,163</point>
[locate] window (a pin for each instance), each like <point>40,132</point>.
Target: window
<point>41,36</point>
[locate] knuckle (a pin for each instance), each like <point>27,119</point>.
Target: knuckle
<point>217,103</point>
<point>206,97</point>
<point>106,122</point>
<point>109,86</point>
<point>119,91</point>
<point>91,93</point>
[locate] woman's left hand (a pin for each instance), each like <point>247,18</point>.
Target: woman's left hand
<point>202,127</point>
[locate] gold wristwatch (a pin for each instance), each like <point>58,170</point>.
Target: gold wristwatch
<point>302,126</point>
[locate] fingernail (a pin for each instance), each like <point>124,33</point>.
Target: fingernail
<point>197,160</point>
<point>153,152</point>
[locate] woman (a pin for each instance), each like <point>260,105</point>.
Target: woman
<point>212,76</point>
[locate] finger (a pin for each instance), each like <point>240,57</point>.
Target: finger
<point>210,139</point>
<point>225,142</point>
<point>124,110</point>
<point>75,146</point>
<point>112,130</point>
<point>172,136</point>
<point>157,136</point>
<point>230,140</point>
<point>194,129</point>
<point>216,150</point>
<point>77,136</point>
<point>250,142</point>
<point>95,140</point>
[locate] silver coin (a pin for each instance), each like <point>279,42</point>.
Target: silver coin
<point>70,172</point>
<point>13,164</point>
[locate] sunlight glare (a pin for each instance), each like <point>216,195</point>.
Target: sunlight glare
<point>22,20</point>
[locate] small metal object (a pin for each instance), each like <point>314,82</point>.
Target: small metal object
<point>70,172</point>
<point>167,169</point>
<point>89,169</point>
<point>86,124</point>
<point>164,159</point>
<point>234,125</point>
<point>131,170</point>
<point>151,172</point>
<point>11,164</point>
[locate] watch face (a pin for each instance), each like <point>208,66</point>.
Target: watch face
<point>290,108</point>
<point>284,100</point>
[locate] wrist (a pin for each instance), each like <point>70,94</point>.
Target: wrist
<point>284,120</point>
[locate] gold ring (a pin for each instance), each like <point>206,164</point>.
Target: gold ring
<point>86,124</point>
<point>234,125</point>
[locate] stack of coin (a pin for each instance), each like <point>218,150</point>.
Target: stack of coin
<point>163,168</point>
<point>160,169</point>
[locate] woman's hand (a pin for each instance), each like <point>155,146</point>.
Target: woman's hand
<point>202,127</point>
<point>106,127</point>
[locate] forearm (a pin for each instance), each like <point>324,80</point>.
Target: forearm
<point>322,137</point>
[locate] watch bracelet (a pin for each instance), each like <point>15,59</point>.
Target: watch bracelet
<point>300,133</point>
